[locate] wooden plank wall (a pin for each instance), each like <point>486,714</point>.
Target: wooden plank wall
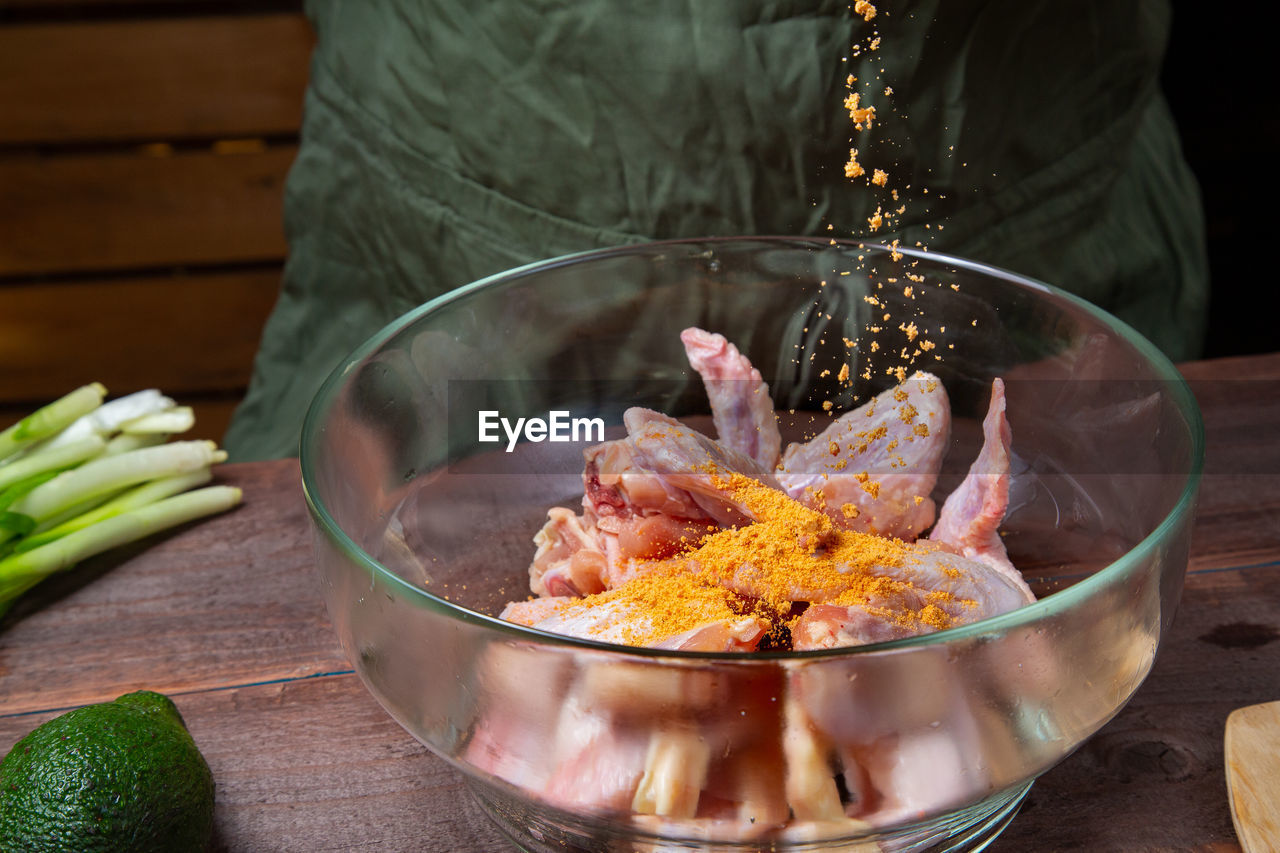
<point>143,151</point>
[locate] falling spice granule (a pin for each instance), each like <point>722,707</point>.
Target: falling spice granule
<point>862,85</point>
<point>853,168</point>
<point>860,115</point>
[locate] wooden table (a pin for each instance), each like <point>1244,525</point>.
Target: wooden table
<point>226,618</point>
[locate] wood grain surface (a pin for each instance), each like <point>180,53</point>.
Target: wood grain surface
<point>153,79</point>
<point>226,617</point>
<point>131,210</point>
<point>129,328</point>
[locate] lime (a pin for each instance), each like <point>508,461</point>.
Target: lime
<point>117,776</point>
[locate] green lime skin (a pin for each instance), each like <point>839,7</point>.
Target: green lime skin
<point>118,776</point>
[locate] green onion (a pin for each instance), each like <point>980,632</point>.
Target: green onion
<point>109,473</point>
<point>80,476</point>
<point>54,459</point>
<point>51,419</point>
<point>123,443</point>
<point>170,421</point>
<point>138,496</point>
<point>21,571</point>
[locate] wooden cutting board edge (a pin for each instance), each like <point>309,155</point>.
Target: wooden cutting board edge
<point>1251,754</point>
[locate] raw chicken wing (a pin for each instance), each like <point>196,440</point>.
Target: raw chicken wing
<point>970,518</point>
<point>741,407</point>
<point>873,468</point>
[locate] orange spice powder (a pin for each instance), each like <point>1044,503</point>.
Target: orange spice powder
<point>791,553</point>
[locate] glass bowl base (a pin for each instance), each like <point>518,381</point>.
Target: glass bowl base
<point>539,829</point>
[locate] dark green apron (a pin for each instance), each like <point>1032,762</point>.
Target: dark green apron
<point>445,141</point>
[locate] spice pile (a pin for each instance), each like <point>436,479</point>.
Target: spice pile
<point>770,570</point>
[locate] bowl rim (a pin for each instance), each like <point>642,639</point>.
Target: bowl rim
<point>1061,600</point>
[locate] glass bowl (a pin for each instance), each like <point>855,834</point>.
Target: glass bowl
<point>423,532</point>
